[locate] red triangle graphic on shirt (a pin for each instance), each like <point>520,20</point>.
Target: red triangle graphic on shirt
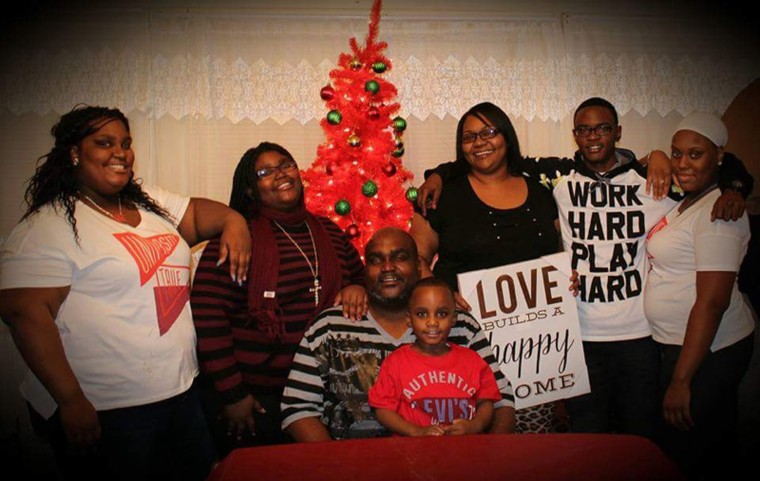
<point>149,252</point>
<point>170,300</point>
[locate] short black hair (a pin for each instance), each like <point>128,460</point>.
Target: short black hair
<point>597,102</point>
<point>433,281</point>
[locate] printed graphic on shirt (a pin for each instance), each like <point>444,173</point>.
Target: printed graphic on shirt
<point>658,227</point>
<point>350,370</point>
<point>437,377</point>
<point>606,222</point>
<point>445,410</point>
<point>172,289</point>
<point>149,252</point>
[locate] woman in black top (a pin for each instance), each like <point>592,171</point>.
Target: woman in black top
<point>491,217</point>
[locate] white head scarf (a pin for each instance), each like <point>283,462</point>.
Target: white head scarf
<point>707,125</point>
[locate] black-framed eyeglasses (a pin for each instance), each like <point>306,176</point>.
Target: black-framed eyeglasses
<point>484,134</point>
<point>283,166</point>
<point>602,130</point>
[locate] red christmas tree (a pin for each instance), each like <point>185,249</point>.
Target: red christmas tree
<point>357,179</point>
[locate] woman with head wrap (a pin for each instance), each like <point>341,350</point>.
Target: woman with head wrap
<point>698,317</point>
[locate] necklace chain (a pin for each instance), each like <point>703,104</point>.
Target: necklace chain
<point>314,268</point>
<point>689,201</point>
<point>117,217</point>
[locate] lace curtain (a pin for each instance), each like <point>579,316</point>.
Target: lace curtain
<point>202,85</point>
<point>237,66</point>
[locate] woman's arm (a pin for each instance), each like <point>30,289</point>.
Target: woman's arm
<point>713,298</point>
<point>30,313</point>
<point>355,301</point>
<point>205,219</point>
<point>353,294</point>
<point>215,302</point>
<point>427,242</point>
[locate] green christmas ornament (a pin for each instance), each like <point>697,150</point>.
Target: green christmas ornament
<point>411,194</point>
<point>369,188</point>
<point>399,124</point>
<point>334,117</point>
<point>372,86</point>
<point>342,207</point>
<point>398,152</point>
<point>379,67</point>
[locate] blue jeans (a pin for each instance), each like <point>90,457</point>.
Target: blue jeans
<point>623,376</point>
<point>165,440</point>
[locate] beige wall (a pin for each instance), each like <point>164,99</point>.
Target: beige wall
<point>742,118</point>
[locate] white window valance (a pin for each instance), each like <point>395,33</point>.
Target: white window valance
<point>239,66</point>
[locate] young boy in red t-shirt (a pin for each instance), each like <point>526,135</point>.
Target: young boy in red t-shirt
<point>433,387</point>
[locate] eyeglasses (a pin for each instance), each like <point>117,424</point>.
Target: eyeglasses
<point>485,134</point>
<point>602,130</point>
<point>284,166</point>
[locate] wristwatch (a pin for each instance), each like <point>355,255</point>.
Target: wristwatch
<point>736,185</point>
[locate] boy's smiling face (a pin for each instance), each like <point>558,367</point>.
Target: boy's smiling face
<point>432,313</point>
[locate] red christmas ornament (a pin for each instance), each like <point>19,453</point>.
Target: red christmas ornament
<point>373,113</point>
<point>352,231</point>
<point>389,169</point>
<point>327,92</point>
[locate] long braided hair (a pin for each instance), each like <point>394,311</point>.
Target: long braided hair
<point>55,182</point>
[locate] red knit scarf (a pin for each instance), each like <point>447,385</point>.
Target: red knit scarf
<point>264,309</point>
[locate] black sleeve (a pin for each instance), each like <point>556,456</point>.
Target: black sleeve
<point>548,166</point>
<point>732,169</point>
<point>448,170</point>
<point>533,166</point>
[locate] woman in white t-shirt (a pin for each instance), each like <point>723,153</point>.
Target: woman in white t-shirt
<point>94,284</point>
<point>697,314</point>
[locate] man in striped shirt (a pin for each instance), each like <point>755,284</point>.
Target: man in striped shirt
<point>338,359</point>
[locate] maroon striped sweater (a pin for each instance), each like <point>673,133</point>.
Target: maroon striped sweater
<point>240,358</point>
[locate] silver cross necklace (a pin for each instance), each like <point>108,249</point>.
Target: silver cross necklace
<point>314,268</point>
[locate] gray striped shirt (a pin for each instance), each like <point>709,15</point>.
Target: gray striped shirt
<point>338,361</point>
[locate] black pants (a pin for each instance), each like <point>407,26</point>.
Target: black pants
<point>162,441</point>
<point>711,447</point>
<point>267,425</point>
